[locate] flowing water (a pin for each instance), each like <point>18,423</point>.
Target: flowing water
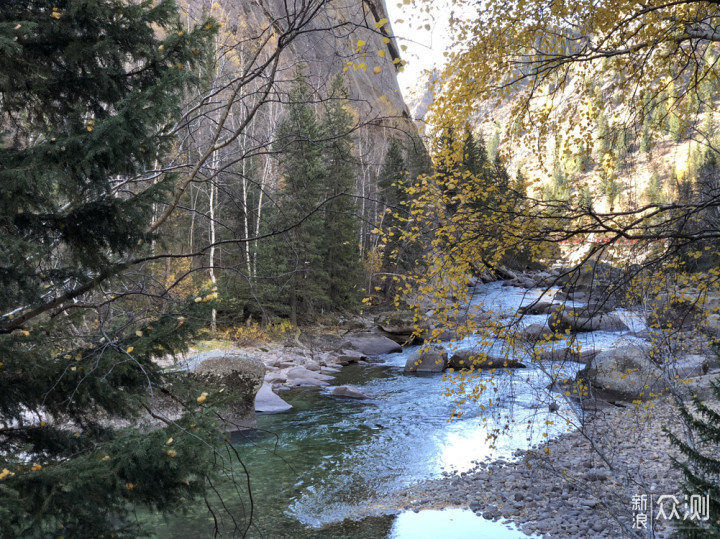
<point>329,466</point>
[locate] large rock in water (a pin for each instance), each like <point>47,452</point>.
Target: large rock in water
<point>267,401</point>
<point>302,377</point>
<point>370,344</point>
<point>241,378</point>
<point>428,359</point>
<point>629,373</point>
<point>584,321</point>
<point>467,358</point>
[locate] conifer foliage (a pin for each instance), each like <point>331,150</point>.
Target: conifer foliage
<point>89,91</point>
<point>315,262</point>
<point>701,467</point>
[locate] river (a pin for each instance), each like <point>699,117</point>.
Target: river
<point>334,467</point>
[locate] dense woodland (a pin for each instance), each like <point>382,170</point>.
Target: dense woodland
<point>173,172</point>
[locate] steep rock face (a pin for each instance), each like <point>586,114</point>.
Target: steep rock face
<point>352,34</point>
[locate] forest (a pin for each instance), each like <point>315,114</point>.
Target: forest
<point>213,209</point>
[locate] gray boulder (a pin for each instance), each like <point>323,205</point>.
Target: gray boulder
<point>629,374</point>
<point>302,377</point>
<point>269,402</point>
<point>241,378</point>
<point>566,354</point>
<point>541,307</point>
<point>432,358</point>
<point>370,344</point>
<point>348,393</point>
<point>583,321</point>
<point>468,358</point>
<point>535,332</point>
<point>345,357</point>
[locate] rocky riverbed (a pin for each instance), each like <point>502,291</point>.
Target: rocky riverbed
<point>580,484</point>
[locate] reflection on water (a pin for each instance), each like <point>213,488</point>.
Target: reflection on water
<point>450,524</point>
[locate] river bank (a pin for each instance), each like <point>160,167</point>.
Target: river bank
<point>582,486</point>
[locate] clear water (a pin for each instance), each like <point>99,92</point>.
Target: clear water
<point>330,467</point>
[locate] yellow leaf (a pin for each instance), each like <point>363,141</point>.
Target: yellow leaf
<point>377,70</point>
<point>106,458</point>
<point>386,40</point>
<point>55,14</point>
<point>130,349</point>
<point>139,333</point>
<point>170,440</point>
<point>36,467</point>
<point>129,486</point>
<point>360,43</point>
<point>382,22</point>
<point>5,473</point>
<point>381,53</point>
<point>202,397</point>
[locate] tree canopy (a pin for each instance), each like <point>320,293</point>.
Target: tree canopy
<point>90,94</point>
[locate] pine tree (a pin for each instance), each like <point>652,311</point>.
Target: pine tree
<point>298,255</point>
<point>88,91</point>
<point>341,251</point>
<point>701,467</point>
<point>392,183</point>
<point>475,156</point>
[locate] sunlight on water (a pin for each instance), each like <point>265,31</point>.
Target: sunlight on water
<point>451,524</point>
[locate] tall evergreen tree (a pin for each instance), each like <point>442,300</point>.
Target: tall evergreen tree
<point>298,255</point>
<point>88,91</point>
<point>392,183</point>
<point>341,251</point>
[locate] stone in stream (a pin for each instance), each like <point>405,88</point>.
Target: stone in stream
<point>541,307</point>
<point>241,378</point>
<point>467,358</point>
<point>348,393</point>
<point>300,376</point>
<point>536,332</point>
<point>432,358</point>
<point>565,354</point>
<point>629,373</point>
<point>269,402</point>
<point>370,344</point>
<point>345,357</point>
<point>577,321</point>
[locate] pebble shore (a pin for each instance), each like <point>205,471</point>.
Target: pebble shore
<point>580,484</point>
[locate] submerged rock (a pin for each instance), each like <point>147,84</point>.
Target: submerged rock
<point>348,393</point>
